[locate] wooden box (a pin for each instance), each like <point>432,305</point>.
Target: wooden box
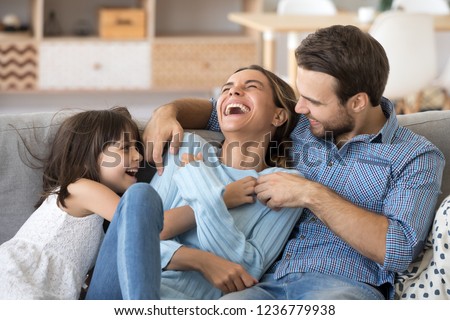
<point>122,23</point>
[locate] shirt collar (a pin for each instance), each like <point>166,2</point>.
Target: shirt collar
<point>386,134</point>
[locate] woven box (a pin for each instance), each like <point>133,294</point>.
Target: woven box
<point>122,23</point>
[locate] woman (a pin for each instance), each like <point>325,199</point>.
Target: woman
<point>256,114</point>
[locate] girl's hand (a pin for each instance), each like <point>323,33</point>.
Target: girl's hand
<point>240,192</point>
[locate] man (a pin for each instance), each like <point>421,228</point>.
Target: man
<point>369,187</point>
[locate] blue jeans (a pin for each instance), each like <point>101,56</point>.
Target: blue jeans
<point>307,286</point>
<point>128,265</point>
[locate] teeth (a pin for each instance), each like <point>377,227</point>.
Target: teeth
<point>131,172</point>
<point>242,108</point>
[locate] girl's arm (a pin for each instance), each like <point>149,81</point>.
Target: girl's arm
<point>88,197</point>
<point>177,221</point>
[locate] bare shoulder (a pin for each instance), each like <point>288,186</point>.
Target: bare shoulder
<point>88,197</point>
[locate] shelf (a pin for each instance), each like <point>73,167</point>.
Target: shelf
<point>185,17</point>
<point>187,45</point>
<point>88,39</point>
<point>15,36</point>
<point>78,16</point>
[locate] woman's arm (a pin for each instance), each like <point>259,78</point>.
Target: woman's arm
<point>222,274</point>
<point>177,221</point>
<point>267,230</point>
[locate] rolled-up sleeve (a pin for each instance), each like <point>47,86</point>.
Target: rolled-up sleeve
<point>410,207</point>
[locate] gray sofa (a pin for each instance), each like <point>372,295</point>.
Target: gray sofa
<point>20,183</point>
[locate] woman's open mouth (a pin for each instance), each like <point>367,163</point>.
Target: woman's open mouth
<point>236,108</point>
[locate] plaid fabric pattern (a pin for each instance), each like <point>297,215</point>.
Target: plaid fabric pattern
<point>395,172</point>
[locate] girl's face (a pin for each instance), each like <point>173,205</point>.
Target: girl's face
<point>119,163</point>
<point>246,105</point>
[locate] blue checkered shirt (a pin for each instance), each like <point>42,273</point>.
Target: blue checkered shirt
<point>395,172</point>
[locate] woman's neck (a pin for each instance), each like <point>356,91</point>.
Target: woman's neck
<point>245,154</point>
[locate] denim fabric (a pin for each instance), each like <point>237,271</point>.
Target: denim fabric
<point>122,271</point>
<point>307,286</point>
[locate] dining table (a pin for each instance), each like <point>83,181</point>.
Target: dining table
<point>271,23</point>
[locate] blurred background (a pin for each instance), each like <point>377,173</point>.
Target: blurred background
<point>58,54</point>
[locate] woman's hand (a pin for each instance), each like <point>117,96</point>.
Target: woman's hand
<point>225,275</point>
<point>240,192</point>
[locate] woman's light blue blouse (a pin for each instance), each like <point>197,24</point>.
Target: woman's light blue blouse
<point>252,235</point>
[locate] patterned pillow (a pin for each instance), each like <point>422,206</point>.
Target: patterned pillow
<point>429,276</point>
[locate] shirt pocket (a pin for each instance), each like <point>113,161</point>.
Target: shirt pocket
<point>368,181</point>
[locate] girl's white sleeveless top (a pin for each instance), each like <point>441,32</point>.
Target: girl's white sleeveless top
<point>50,255</point>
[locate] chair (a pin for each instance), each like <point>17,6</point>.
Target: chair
<point>436,7</point>
<point>302,7</point>
<point>410,45</point>
<point>443,82</point>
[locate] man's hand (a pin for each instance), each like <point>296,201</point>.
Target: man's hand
<point>240,192</point>
<point>167,123</point>
<point>161,128</point>
<point>281,189</point>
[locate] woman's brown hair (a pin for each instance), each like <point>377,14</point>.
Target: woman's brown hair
<point>283,97</point>
<point>79,141</point>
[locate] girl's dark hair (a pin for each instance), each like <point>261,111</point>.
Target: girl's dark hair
<point>284,97</point>
<point>354,58</point>
<point>77,145</point>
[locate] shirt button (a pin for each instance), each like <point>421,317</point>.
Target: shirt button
<point>313,220</point>
<point>330,163</point>
<point>302,237</point>
<point>288,256</point>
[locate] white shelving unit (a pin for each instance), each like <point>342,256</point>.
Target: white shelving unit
<point>189,45</point>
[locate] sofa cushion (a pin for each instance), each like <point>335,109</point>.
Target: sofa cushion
<point>19,169</point>
<point>20,183</point>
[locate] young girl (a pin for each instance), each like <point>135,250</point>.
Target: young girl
<point>256,115</point>
<point>93,159</point>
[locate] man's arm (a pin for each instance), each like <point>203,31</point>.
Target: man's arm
<point>167,123</point>
<point>392,239</point>
<point>361,229</point>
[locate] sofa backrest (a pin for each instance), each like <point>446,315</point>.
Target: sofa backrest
<point>435,126</point>
<point>20,183</point>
